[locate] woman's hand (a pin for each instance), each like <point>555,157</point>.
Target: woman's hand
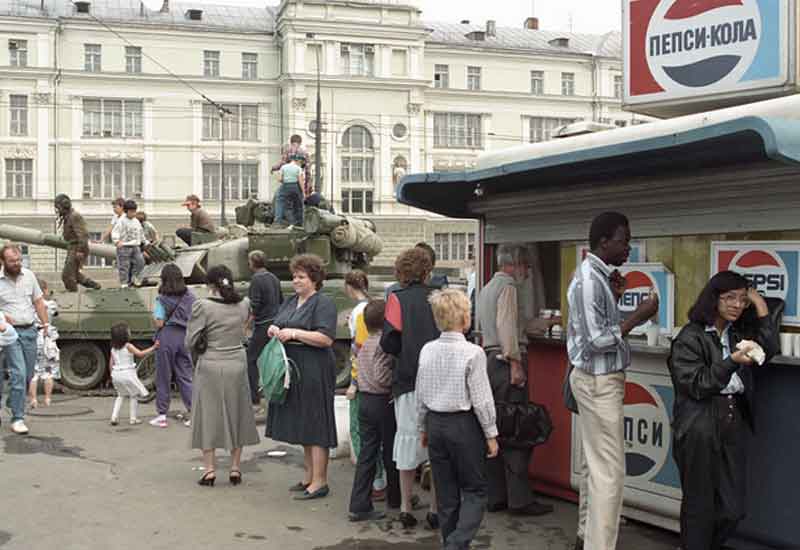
<point>286,334</point>
<point>351,392</point>
<point>492,447</point>
<point>273,331</point>
<point>758,301</point>
<point>740,357</point>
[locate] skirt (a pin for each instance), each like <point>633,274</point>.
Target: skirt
<point>408,451</point>
<point>222,414</point>
<point>127,383</point>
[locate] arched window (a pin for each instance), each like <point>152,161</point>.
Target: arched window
<point>358,156</point>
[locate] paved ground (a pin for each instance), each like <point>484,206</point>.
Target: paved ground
<point>77,483</point>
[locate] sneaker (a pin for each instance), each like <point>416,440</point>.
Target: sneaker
<point>114,422</point>
<point>135,421</point>
<point>188,422</point>
<point>123,286</point>
<point>159,422</point>
<point>19,427</point>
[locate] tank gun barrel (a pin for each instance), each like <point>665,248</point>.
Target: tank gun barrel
<point>34,236</point>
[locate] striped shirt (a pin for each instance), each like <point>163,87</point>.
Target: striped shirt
<point>452,378</point>
<point>594,336</point>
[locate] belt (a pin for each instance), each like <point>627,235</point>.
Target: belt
<point>23,327</point>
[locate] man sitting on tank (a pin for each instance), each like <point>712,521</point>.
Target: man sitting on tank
<point>75,232</point>
<point>200,221</point>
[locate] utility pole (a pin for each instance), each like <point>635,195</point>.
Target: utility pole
<point>318,132</point>
<point>223,221</point>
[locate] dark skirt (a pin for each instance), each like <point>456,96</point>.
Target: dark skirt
<point>307,417</point>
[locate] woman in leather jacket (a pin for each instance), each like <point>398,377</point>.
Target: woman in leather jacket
<point>713,413</point>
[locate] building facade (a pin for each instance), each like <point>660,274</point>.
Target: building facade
<point>104,99</point>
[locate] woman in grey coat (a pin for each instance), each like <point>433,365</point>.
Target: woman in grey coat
<point>221,413</point>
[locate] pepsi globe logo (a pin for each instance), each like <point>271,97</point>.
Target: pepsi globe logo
<point>638,285</point>
<point>706,44</point>
<point>646,431</point>
<point>765,270</point>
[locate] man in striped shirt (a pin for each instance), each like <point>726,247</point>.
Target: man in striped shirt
<point>597,349</point>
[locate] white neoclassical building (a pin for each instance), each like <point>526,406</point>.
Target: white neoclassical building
<point>108,98</point>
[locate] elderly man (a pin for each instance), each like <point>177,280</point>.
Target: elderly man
<point>200,220</point>
<point>502,328</point>
<point>21,300</point>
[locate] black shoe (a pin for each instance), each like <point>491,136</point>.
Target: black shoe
<point>408,520</point>
<point>578,543</point>
<point>433,521</point>
<point>235,477</point>
<point>372,515</point>
<point>92,284</point>
<point>497,507</point>
<point>207,480</point>
<point>319,493</point>
<point>532,509</point>
<point>299,487</point>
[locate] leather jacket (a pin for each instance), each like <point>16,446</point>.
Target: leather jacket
<point>699,373</point>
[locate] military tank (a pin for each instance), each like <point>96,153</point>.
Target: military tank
<point>85,317</point>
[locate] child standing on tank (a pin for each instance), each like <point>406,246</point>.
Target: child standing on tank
<point>128,237</point>
<point>123,371</point>
<point>47,353</point>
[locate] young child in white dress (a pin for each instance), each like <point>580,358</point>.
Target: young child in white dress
<point>123,371</point>
<point>47,354</point>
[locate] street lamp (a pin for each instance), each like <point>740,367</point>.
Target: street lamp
<point>318,129</point>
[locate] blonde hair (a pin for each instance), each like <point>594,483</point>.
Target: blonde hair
<point>451,308</point>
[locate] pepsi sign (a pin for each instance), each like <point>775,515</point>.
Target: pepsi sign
<point>640,278</point>
<point>772,268</point>
<point>690,48</point>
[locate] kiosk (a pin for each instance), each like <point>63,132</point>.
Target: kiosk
<point>694,188</point>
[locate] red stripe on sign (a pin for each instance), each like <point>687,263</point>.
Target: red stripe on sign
<point>725,259</point>
<point>683,9</point>
<point>757,258</point>
<point>637,395</point>
<point>641,78</point>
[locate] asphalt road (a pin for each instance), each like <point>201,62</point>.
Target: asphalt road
<point>77,483</point>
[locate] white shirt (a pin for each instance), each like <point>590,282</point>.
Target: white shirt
<point>735,385</point>
<point>128,231</point>
<point>123,359</point>
<point>17,296</point>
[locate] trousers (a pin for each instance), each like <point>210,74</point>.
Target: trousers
<point>132,401</point>
<point>14,360</point>
<point>289,204</point>
<point>173,360</point>
<point>509,482</point>
<point>713,475</point>
<point>71,275</point>
<point>378,428</point>
<point>457,450</point>
<point>130,263</point>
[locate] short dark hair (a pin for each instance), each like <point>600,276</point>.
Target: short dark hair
<point>221,277</point>
<point>130,205</point>
<point>312,265</point>
<point>141,216</point>
<point>257,259</point>
<point>705,310</point>
<point>604,226</point>
<point>429,249</point>
<point>119,201</point>
<point>120,335</point>
<point>295,139</point>
<point>172,283</point>
<point>373,315</point>
<point>357,279</point>
<point>413,266</point>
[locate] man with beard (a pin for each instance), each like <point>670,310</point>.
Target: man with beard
<point>21,301</point>
<point>76,234</point>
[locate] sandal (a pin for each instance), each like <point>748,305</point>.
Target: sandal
<point>235,477</point>
<point>299,487</point>
<point>208,479</point>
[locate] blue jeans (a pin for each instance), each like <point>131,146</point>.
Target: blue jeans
<point>28,339</point>
<point>14,359</point>
<point>289,204</point>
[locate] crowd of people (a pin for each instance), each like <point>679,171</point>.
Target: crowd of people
<point>421,392</point>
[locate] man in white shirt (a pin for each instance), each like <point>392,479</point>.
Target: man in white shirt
<point>21,301</point>
<point>128,237</point>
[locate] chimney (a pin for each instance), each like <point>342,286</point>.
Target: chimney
<point>82,7</point>
<point>165,7</point>
<point>532,23</point>
<point>194,14</point>
<point>491,28</point>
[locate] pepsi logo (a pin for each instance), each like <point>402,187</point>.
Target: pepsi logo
<point>638,285</point>
<point>702,43</point>
<point>646,431</point>
<point>765,270</point>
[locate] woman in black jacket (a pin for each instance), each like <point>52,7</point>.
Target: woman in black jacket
<point>713,412</point>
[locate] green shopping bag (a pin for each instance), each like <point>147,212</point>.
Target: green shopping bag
<point>276,372</point>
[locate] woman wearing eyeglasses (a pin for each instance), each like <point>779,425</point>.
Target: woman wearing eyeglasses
<point>713,414</point>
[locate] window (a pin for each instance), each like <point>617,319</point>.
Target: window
<point>454,247</point>
<point>567,83</point>
<point>358,59</point>
<point>542,127</point>
<point>357,201</point>
<point>112,118</point>
<point>473,78</point>
<point>621,123</point>
<point>92,58</point>
<point>18,105</point>
<point>240,125</point>
<point>97,261</point>
<point>441,76</point>
<point>241,181</point>
<point>108,179</point>
<point>210,63</point>
<point>18,53</point>
<point>358,156</point>
<point>399,63</point>
<point>457,131</point>
<point>618,86</point>
<point>537,82</point>
<point>250,66</point>
<point>133,59</point>
<point>19,178</point>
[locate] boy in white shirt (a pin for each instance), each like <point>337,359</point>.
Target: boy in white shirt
<point>128,237</point>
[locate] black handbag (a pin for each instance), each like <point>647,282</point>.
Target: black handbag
<point>522,425</point>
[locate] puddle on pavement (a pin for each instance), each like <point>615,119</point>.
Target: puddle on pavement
<point>26,445</point>
<point>426,543</point>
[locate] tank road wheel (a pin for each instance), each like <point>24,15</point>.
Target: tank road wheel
<point>83,365</point>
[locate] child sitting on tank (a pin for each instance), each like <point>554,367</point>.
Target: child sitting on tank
<point>47,353</point>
